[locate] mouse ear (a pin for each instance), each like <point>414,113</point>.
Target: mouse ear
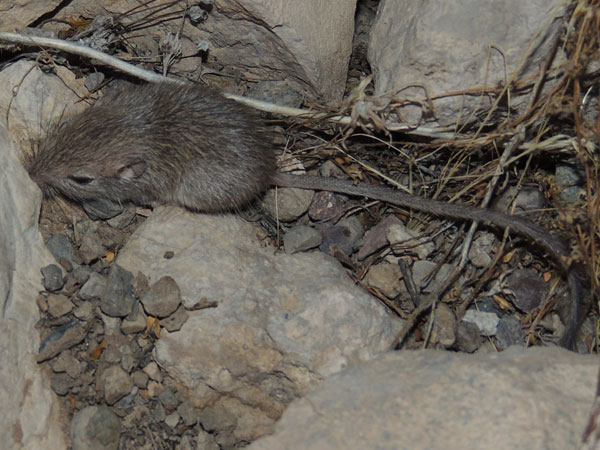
<point>133,169</point>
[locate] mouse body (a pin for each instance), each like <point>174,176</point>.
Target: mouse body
<point>159,144</point>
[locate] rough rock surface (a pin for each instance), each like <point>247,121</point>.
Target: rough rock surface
<point>36,100</point>
<point>294,48</point>
<point>29,417</point>
<point>451,46</point>
<point>282,322</point>
<point>536,398</point>
<point>95,427</point>
<point>20,13</point>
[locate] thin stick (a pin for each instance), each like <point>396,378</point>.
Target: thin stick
<point>84,50</point>
<point>116,63</point>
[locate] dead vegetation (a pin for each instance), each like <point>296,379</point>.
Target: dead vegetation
<point>486,151</point>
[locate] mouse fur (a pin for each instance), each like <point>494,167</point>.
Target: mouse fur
<point>159,144</point>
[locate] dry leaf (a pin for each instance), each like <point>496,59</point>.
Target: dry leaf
<point>502,302</point>
<point>97,352</point>
<point>152,326</point>
<point>72,402</point>
<point>80,22</point>
<point>547,276</point>
<point>508,256</point>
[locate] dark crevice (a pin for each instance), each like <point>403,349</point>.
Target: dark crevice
<point>50,14</point>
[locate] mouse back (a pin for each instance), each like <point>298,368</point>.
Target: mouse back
<point>158,144</point>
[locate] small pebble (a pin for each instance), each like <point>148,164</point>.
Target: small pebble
<point>486,322</point>
<point>66,362</point>
<point>188,413</point>
<point>325,206</point>
<point>481,251</point>
<point>172,420</point>
<point>144,342</point>
<point>117,384</point>
<point>140,379</point>
<point>71,286</point>
<point>291,203</point>
<point>406,240</point>
<point>128,362</point>
<point>168,400</point>
<point>163,298</point>
<point>185,443</point>
<point>140,285</point>
<point>301,238</point>
<point>129,400</point>
<point>509,332</point>
<point>93,81</point>
<point>159,413</point>
<point>355,230</point>
<point>387,278</point>
<point>154,388</point>
<point>64,337</point>
<point>337,236</point>
<point>468,337</point>
<point>53,278</point>
<point>528,198</point>
<point>421,270</point>
<point>153,371</point>
<point>61,383</point>
<point>111,353</point>
<point>136,321</point>
<point>95,427</point>
<point>216,417</point>
<point>85,311</point>
<point>571,176</point>
<point>81,273</point>
<point>528,288</point>
<point>120,221</point>
<point>330,169</point>
<point>175,321</point>
<point>60,247</point>
<point>376,238</point>
<point>59,305</point>
<point>93,288</point>
<point>102,209</point>
<point>118,298</point>
<point>444,325</point>
<point>42,302</point>
<point>111,324</point>
<point>91,248</point>
<point>206,441</point>
<point>66,264</point>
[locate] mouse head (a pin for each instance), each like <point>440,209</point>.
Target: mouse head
<point>82,168</point>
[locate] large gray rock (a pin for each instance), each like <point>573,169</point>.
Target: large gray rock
<point>282,324</point>
<point>456,45</point>
<point>29,416</point>
<point>290,49</point>
<point>538,398</point>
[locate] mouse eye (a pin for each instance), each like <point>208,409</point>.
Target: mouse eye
<point>81,179</point>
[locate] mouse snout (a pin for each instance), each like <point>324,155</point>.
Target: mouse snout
<point>42,183</point>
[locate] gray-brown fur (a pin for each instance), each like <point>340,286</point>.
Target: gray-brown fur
<point>162,143</point>
<point>159,144</point>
